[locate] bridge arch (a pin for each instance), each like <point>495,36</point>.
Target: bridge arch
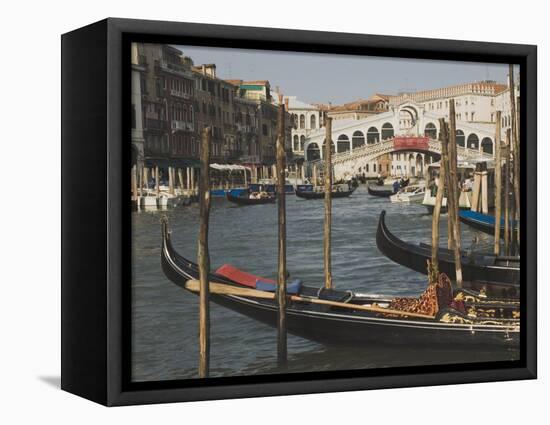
<point>357,139</point>
<point>473,141</point>
<point>430,130</point>
<point>387,131</point>
<point>342,145</point>
<point>408,117</point>
<point>460,138</point>
<point>487,145</point>
<point>373,136</point>
<point>313,152</point>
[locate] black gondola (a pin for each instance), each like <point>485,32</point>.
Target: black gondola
<point>332,325</point>
<point>246,200</point>
<point>381,190</point>
<point>497,276</point>
<point>483,222</point>
<point>311,194</point>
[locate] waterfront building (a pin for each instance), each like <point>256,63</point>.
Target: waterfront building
<point>475,102</point>
<point>214,100</point>
<point>138,140</point>
<point>360,109</point>
<point>414,115</point>
<point>247,120</point>
<point>306,119</point>
<point>256,114</point>
<point>407,121</point>
<point>167,96</point>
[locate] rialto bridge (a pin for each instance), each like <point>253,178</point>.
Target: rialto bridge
<point>407,134</point>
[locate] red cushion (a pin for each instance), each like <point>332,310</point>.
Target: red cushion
<point>244,278</point>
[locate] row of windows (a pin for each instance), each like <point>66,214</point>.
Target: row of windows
<point>182,113</point>
<point>467,116</point>
<point>183,144</point>
<point>181,86</point>
<point>298,143</point>
<point>439,105</point>
<point>214,88</point>
<point>300,121</point>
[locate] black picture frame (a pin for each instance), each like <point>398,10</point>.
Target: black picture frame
<point>96,210</point>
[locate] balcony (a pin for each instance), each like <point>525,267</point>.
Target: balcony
<point>175,68</point>
<point>154,124</point>
<point>182,126</point>
<point>249,159</point>
<point>233,154</point>
<point>180,94</point>
<point>246,129</point>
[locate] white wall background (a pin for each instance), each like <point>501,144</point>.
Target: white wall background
<point>30,212</point>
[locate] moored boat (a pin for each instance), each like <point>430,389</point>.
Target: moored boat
<point>342,317</point>
<point>483,222</point>
<point>247,198</point>
<point>409,194</point>
<point>465,171</point>
<point>384,190</point>
<point>497,276</point>
<point>338,191</point>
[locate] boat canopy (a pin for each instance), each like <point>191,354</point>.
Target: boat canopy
<point>229,167</point>
<point>462,164</point>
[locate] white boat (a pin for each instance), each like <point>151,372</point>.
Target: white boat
<point>412,193</point>
<point>465,171</point>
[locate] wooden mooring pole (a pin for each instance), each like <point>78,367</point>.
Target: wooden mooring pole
<point>507,195</point>
<point>453,194</point>
<point>157,181</point>
<point>434,265</point>
<point>170,180</point>
<point>328,203</point>
<point>484,189</point>
<point>476,189</point>
<point>281,204</point>
<point>515,153</point>
<point>204,256</point>
<point>134,179</point>
<point>314,175</point>
<point>498,184</point>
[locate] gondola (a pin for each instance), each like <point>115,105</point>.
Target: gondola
<point>312,194</point>
<point>331,325</point>
<point>497,276</point>
<point>483,222</point>
<point>245,200</point>
<point>384,190</point>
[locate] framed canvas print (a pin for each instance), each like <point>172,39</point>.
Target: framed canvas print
<point>252,212</point>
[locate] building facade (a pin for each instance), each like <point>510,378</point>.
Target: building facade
<point>173,101</point>
<point>138,140</point>
<point>409,119</point>
<point>306,118</point>
<point>475,102</point>
<point>416,115</point>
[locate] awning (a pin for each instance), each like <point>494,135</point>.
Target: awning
<point>229,167</point>
<point>172,162</point>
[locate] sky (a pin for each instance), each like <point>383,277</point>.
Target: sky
<point>323,78</point>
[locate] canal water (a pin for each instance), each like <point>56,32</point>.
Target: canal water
<point>165,317</point>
